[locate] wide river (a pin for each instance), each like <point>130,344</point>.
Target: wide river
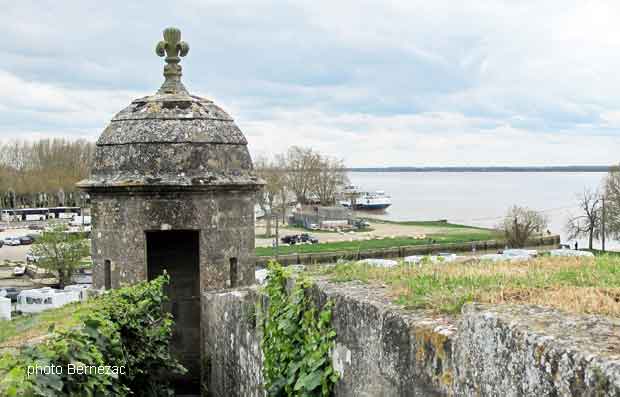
<point>480,198</point>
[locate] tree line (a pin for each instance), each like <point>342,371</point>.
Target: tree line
<point>301,174</point>
<point>43,173</point>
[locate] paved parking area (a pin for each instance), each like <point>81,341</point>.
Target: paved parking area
<point>18,252</point>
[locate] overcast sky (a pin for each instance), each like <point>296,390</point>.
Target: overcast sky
<point>374,82</point>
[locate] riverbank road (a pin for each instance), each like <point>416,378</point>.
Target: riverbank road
<point>378,230</point>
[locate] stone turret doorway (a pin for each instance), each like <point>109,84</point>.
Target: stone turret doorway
<point>178,253</point>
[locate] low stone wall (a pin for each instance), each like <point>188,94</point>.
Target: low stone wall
<point>399,252</point>
<point>231,340</point>
<point>383,350</point>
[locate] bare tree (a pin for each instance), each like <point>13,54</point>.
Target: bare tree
<point>588,223</point>
<point>330,177</point>
<point>274,178</point>
<point>612,202</point>
<point>34,171</point>
<point>521,223</point>
<point>302,165</point>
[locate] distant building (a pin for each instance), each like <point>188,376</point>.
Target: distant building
<point>322,217</point>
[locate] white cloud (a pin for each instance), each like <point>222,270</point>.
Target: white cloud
<point>425,139</point>
<point>403,82</point>
<point>55,108</point>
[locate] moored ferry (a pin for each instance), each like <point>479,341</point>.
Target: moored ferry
<point>378,200</point>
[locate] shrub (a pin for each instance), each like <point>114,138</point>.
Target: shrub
<point>129,328</point>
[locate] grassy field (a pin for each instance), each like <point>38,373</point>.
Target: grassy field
<point>455,235</point>
<point>582,285</point>
<point>441,224</point>
<point>28,326</point>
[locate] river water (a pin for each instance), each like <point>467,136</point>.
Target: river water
<point>480,198</point>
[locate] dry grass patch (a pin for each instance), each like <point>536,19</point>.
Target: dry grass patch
<point>588,300</point>
<point>581,285</point>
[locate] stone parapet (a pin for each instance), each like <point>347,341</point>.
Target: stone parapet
<point>384,350</point>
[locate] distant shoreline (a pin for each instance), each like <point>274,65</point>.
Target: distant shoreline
<point>568,168</point>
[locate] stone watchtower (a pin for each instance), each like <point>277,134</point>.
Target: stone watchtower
<point>173,188</point>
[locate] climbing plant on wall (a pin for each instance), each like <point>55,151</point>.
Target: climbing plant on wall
<point>297,340</point>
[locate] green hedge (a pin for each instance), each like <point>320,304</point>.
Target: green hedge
<point>128,330</point>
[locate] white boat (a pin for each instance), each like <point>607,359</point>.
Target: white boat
<point>377,200</point>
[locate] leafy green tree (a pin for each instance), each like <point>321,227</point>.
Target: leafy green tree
<point>60,252</point>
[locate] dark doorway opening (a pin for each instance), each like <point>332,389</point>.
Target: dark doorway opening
<point>178,252</point>
<point>233,273</point>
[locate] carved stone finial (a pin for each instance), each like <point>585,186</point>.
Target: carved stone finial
<point>173,48</point>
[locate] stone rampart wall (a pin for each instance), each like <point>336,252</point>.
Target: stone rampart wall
<point>383,350</point>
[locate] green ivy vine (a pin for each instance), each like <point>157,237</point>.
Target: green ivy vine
<point>297,340</point>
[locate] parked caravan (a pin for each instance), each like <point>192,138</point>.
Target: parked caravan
<point>81,290</point>
<point>41,299</point>
<point>5,308</point>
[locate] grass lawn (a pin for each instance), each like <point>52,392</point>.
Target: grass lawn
<point>582,285</point>
<point>598,252</point>
<point>456,235</point>
<point>28,326</point>
<point>427,223</point>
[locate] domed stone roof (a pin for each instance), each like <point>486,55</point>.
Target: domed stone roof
<point>172,139</point>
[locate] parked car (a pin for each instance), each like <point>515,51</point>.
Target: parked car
<point>10,292</point>
<point>314,226</point>
<point>33,236</point>
<point>36,227</point>
<point>361,224</point>
<point>306,238</point>
<point>19,270</point>
<point>299,238</point>
<point>31,258</point>
<point>291,239</point>
<point>12,241</point>
<point>25,240</point>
